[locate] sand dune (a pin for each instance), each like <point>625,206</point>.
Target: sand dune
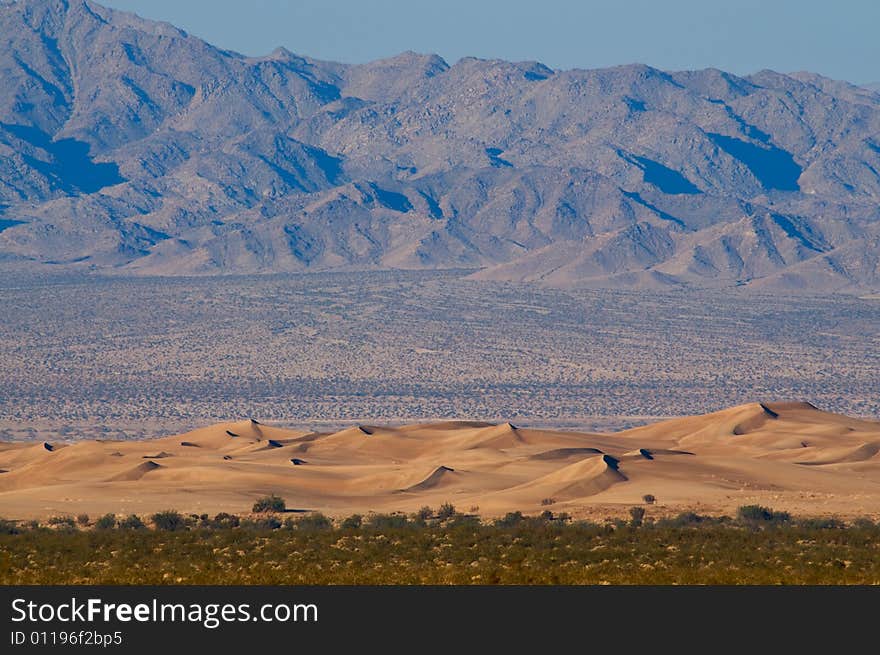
<point>788,455</point>
<point>136,473</point>
<point>438,477</point>
<point>579,480</point>
<point>839,456</point>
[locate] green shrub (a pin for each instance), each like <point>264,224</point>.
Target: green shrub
<point>265,523</point>
<point>637,516</point>
<point>420,519</point>
<point>64,522</point>
<point>271,503</point>
<point>459,520</point>
<point>683,520</point>
<point>132,522</point>
<point>169,519</point>
<point>106,522</point>
<point>510,520</point>
<point>8,527</point>
<point>753,514</point>
<point>223,520</point>
<point>352,522</point>
<point>314,522</point>
<point>446,511</point>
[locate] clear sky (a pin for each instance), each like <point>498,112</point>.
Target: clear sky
<point>837,38</point>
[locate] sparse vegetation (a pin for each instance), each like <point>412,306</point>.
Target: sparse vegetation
<point>685,519</point>
<point>271,503</point>
<point>82,519</point>
<point>313,522</point>
<point>510,519</point>
<point>447,510</point>
<point>757,514</point>
<point>222,521</point>
<point>8,527</point>
<point>649,499</point>
<point>352,522</point>
<point>516,549</point>
<point>263,523</point>
<point>547,501</point>
<point>132,522</point>
<point>106,522</point>
<point>716,331</point>
<point>62,522</point>
<point>169,520</point>
<point>378,522</point>
<point>637,516</point>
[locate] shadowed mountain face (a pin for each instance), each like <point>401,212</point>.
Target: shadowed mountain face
<point>127,145</point>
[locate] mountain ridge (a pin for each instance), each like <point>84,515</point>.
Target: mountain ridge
<point>128,146</point>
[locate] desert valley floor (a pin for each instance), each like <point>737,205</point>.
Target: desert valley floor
<point>789,455</point>
<point>97,372</point>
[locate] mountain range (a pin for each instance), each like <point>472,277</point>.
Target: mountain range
<point>129,146</point>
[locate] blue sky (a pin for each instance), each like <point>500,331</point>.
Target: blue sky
<point>838,39</point>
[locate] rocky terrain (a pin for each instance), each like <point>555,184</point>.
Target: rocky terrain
<point>129,146</point>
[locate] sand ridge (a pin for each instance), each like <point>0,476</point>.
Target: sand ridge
<point>789,455</point>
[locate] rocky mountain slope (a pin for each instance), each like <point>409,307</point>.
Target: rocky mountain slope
<point>127,145</point>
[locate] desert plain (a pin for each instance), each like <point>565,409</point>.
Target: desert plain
<point>375,392</point>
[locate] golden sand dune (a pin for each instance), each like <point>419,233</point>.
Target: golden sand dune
<point>788,455</point>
